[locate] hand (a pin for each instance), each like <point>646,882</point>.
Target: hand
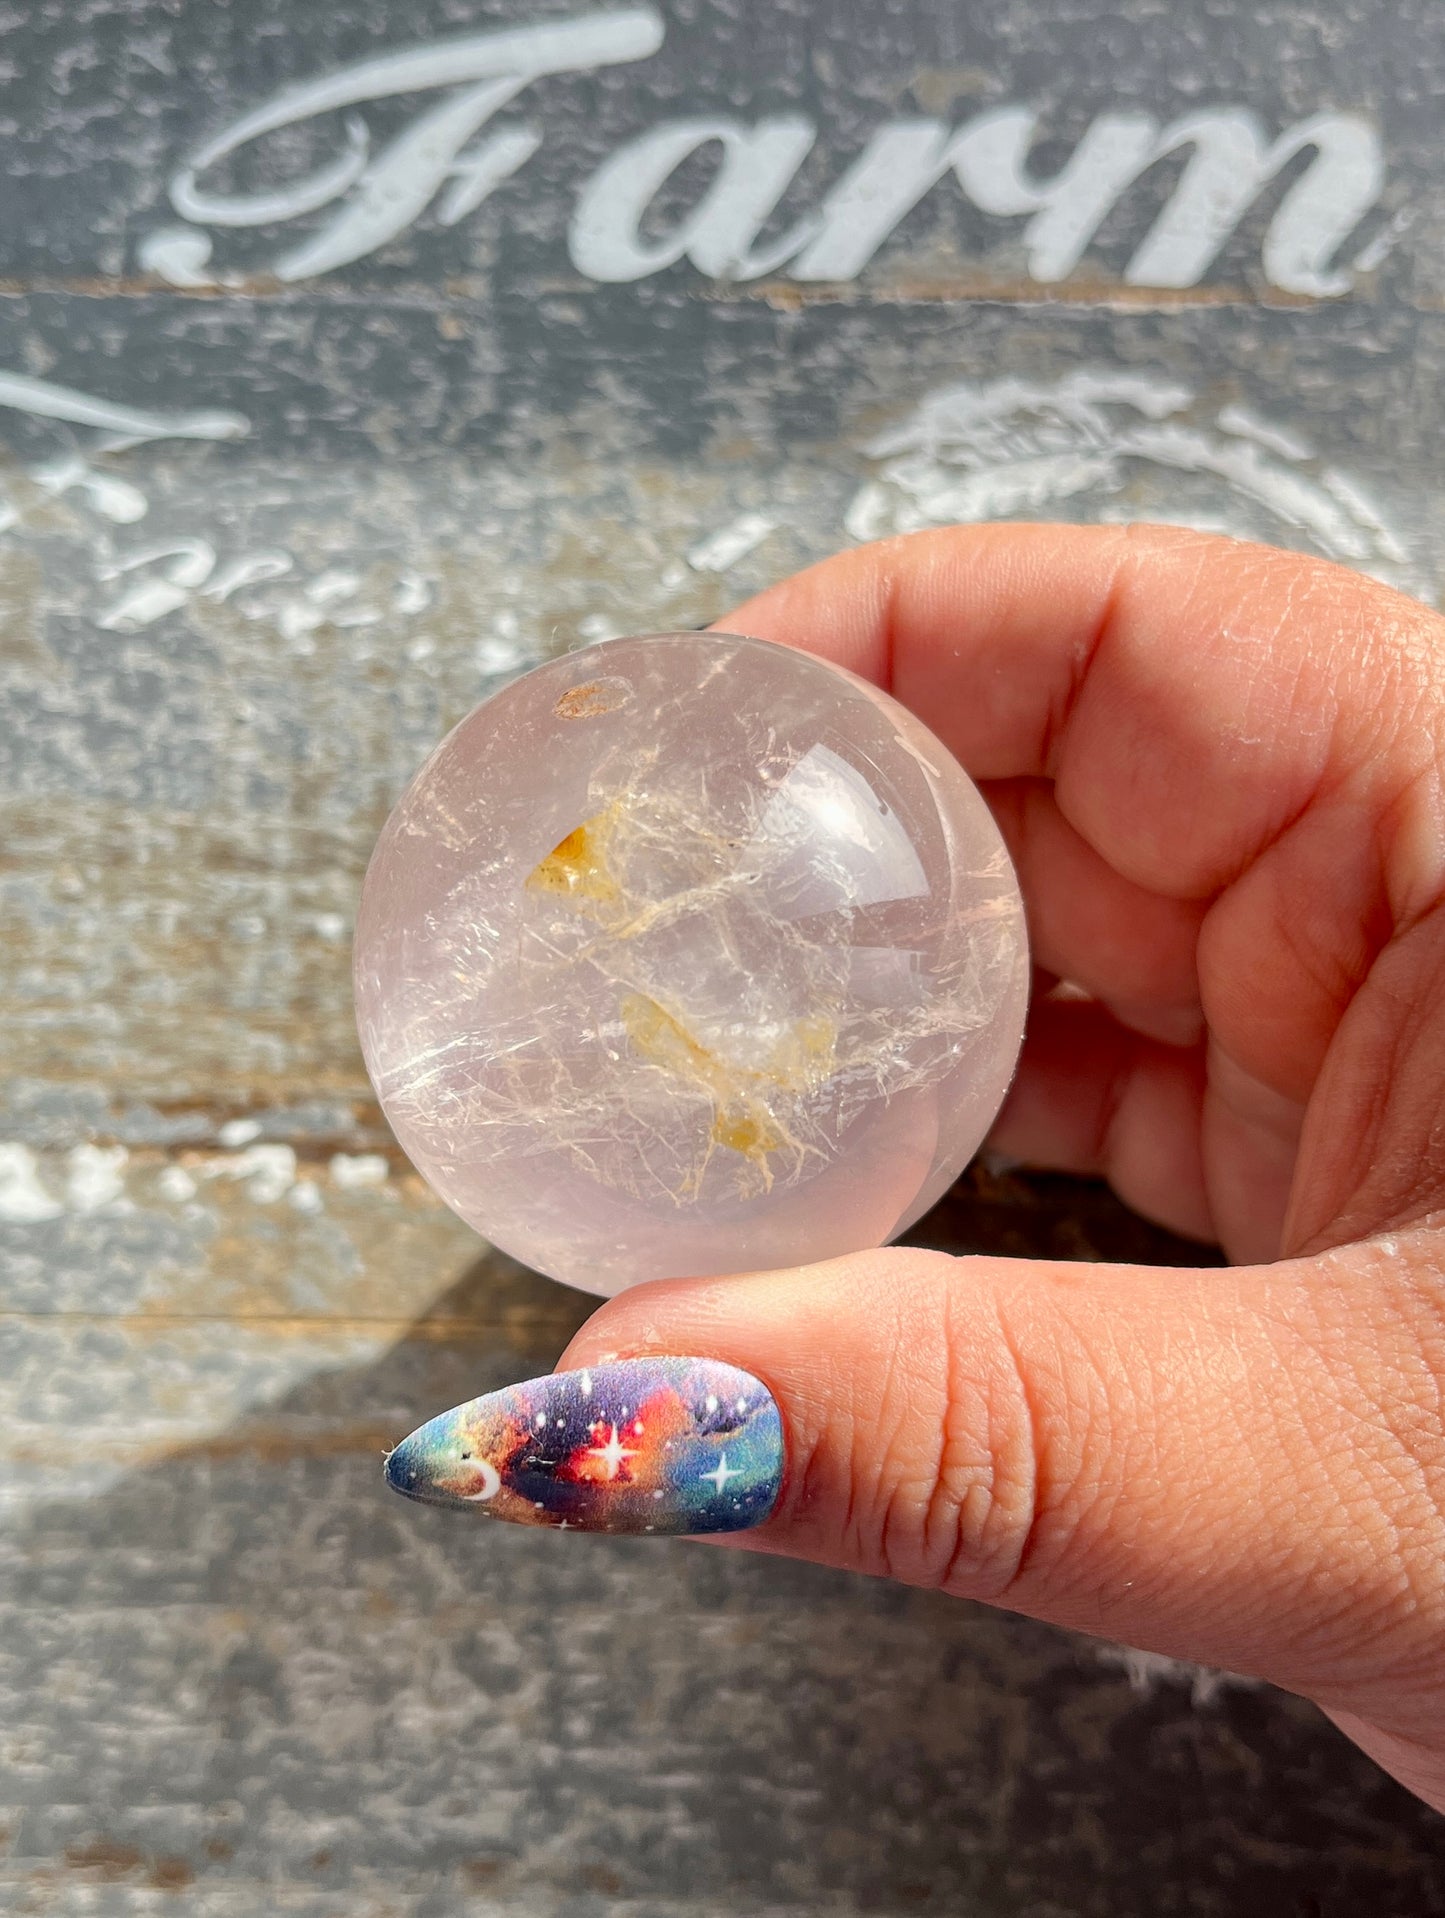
<point>1219,770</point>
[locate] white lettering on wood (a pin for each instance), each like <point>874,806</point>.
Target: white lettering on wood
<point>718,235</point>
<point>376,195</point>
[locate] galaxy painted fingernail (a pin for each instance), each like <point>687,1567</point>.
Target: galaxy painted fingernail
<point>642,1445</point>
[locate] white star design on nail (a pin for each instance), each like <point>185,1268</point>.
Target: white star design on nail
<point>721,1473</point>
<point>612,1453</point>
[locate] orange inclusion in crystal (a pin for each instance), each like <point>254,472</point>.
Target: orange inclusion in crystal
<point>590,701</point>
<point>742,1120</point>
<point>748,1133</point>
<point>577,866</point>
<point>579,870</point>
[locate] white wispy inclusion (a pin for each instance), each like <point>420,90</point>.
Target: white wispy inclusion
<point>705,984</point>
<point>690,954</point>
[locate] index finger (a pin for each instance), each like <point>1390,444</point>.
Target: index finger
<point>1189,695</point>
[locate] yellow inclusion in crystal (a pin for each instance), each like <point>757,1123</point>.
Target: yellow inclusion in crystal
<point>578,868</point>
<point>748,1133</point>
<point>743,1120</point>
<point>581,872</point>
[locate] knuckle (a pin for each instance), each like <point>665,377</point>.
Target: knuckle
<point>970,1464</point>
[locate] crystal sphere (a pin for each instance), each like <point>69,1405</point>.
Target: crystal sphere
<point>690,954</point>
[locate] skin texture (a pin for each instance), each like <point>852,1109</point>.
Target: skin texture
<point>1219,769</point>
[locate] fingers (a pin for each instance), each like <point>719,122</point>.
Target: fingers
<point>1191,698</point>
<point>1249,1138</point>
<point>1242,753</point>
<point>1091,1097</point>
<point>1144,669</point>
<point>1239,1466</point>
<point>1132,949</point>
<point>1161,1123</point>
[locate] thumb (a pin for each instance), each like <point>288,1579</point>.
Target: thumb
<point>1221,1465</point>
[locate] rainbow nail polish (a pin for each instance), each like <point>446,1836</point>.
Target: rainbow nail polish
<point>657,1445</point>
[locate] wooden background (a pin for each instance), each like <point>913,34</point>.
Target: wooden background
<point>264,539</point>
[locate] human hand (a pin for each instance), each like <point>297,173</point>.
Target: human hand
<point>1219,770</point>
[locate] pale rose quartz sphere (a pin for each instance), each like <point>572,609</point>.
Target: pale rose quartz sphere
<point>690,954</point>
